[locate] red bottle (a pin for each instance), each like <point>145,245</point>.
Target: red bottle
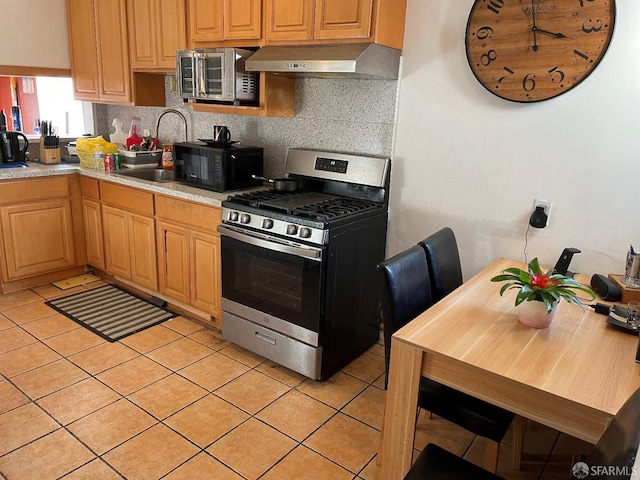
<point>134,138</point>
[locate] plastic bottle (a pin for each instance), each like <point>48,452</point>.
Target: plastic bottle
<point>98,157</point>
<point>134,139</point>
<point>167,157</point>
<point>3,121</point>
<point>16,116</point>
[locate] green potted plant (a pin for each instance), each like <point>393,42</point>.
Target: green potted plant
<point>539,293</point>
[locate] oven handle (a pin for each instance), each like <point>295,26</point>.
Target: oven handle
<point>271,243</point>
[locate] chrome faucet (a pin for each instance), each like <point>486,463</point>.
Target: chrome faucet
<point>171,110</point>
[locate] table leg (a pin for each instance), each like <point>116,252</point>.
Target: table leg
<point>401,403</point>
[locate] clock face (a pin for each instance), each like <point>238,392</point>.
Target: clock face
<point>533,50</point>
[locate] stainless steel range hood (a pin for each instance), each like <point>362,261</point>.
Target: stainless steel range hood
<point>356,60</point>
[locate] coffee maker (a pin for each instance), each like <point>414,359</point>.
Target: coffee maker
<point>13,147</point>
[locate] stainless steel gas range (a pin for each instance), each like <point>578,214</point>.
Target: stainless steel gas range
<point>299,268</point>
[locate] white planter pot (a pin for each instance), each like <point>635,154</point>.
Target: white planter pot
<point>534,314</point>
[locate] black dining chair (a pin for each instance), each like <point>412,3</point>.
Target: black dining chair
<point>613,456</point>
<point>443,258</point>
<point>445,270</point>
<point>405,292</point>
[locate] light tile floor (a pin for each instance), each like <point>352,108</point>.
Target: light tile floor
<point>177,401</point>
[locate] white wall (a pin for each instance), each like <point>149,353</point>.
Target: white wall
<point>467,159</point>
<point>34,33</point>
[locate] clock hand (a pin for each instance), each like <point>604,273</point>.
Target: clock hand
<point>557,35</point>
<point>534,28</point>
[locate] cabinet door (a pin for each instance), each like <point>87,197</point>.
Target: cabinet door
<point>242,19</point>
<point>289,19</point>
<point>171,32</point>
<point>143,33</point>
<point>343,19</point>
<point>206,291</point>
<point>142,240</point>
<point>173,261</point>
<point>116,241</point>
<point>82,49</point>
<point>38,238</point>
<point>93,233</point>
<point>205,20</point>
<point>113,51</point>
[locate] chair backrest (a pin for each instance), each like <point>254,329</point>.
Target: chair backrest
<point>405,292</point>
<point>616,450</point>
<point>444,262</point>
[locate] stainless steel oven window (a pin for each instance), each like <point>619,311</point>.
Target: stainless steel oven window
<point>282,285</point>
<point>212,75</point>
<point>270,281</point>
<point>186,76</point>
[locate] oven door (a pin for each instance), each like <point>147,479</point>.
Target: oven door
<point>273,282</point>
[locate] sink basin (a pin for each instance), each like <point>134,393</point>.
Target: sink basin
<point>153,174</point>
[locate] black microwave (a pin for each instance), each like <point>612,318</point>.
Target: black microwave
<point>217,168</point>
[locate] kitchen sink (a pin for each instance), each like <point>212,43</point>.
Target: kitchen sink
<point>152,174</point>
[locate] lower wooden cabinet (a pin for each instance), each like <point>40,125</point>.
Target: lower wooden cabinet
<point>130,246</point>
<point>189,254</point>
<point>38,238</point>
<point>173,255</point>
<point>129,234</point>
<point>190,267</point>
<point>40,231</point>
<point>206,282</point>
<point>92,213</point>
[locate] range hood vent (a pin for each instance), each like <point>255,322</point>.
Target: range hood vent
<point>352,60</point>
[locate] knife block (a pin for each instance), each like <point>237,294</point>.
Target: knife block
<point>48,155</point>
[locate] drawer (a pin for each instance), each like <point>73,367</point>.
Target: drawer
<point>196,215</point>
<point>127,198</point>
<point>16,191</point>
<point>286,351</point>
<point>89,188</point>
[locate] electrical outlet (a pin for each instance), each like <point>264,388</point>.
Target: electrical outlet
<point>546,205</point>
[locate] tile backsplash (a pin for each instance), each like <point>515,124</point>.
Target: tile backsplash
<point>346,115</point>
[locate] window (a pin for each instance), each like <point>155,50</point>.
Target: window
<point>46,98</point>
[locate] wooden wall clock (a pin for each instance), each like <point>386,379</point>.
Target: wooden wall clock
<point>533,50</point>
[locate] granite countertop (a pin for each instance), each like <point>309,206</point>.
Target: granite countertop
<point>174,189</point>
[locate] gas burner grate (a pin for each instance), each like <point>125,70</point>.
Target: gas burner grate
<point>254,199</point>
<point>333,208</point>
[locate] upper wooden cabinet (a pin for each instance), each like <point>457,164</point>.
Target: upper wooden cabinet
<point>98,50</point>
<point>214,21</point>
<point>157,28</point>
<point>82,49</point>
<point>99,55</point>
<point>330,21</point>
<point>242,19</point>
<point>343,19</point>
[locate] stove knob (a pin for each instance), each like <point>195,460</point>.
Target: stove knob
<point>267,224</point>
<point>233,216</point>
<point>305,232</point>
<point>292,229</point>
<point>245,218</point>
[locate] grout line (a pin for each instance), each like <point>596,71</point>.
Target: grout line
<point>290,388</point>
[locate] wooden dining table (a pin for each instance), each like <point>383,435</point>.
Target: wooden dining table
<point>572,376</point>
